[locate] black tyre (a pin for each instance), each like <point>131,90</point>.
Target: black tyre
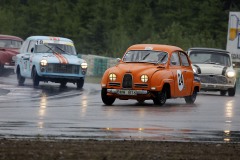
<point>232,91</point>
<point>35,77</point>
<point>1,69</point>
<point>191,99</point>
<point>20,78</point>
<point>223,92</point>
<point>161,97</point>
<point>63,84</point>
<point>140,101</point>
<point>105,98</point>
<point>80,83</point>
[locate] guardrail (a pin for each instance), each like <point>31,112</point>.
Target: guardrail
<point>97,65</point>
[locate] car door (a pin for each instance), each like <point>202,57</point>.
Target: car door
<point>180,75</point>
<point>175,67</point>
<point>187,73</point>
<point>26,59</point>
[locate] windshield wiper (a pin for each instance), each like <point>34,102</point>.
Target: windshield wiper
<point>145,56</point>
<point>212,63</point>
<point>160,60</point>
<point>50,48</point>
<point>63,50</point>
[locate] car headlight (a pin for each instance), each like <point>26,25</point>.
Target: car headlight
<point>43,62</point>
<point>231,74</point>
<point>112,77</point>
<point>144,78</point>
<point>84,65</point>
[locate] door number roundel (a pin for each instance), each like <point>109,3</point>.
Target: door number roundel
<point>180,80</point>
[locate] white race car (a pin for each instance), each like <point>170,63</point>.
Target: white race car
<point>215,69</point>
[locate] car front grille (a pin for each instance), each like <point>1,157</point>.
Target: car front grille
<point>112,84</point>
<point>139,85</point>
<point>62,68</point>
<point>214,79</point>
<point>127,81</point>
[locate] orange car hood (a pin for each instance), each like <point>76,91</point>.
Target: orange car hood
<point>135,68</point>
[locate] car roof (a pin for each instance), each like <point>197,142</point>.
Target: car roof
<point>158,47</point>
<point>207,49</point>
<point>49,38</point>
<point>10,37</point>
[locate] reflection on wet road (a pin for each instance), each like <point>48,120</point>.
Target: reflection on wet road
<point>51,111</point>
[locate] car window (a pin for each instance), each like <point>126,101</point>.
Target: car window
<point>24,46</point>
<point>8,43</point>
<point>175,59</point>
<point>148,56</point>
<point>53,47</point>
<point>31,45</point>
<point>210,58</point>
<point>184,59</point>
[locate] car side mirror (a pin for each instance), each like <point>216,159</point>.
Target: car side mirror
<point>173,62</point>
<point>32,49</point>
<point>119,60</point>
<point>79,55</point>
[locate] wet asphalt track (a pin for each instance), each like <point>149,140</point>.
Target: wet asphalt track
<point>52,112</point>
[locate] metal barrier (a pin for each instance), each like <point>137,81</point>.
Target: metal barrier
<point>97,65</point>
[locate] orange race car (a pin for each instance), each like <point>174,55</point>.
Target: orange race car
<point>151,71</point>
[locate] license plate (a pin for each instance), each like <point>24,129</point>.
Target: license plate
<point>126,92</point>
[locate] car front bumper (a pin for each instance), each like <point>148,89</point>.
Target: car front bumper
<point>128,92</point>
<point>210,86</point>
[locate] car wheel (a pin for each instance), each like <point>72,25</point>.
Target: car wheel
<point>191,99</point>
<point>161,97</point>
<point>223,93</point>
<point>20,78</point>
<point>140,101</point>
<point>1,69</point>
<point>63,84</point>
<point>35,77</point>
<point>80,83</point>
<point>105,98</point>
<point>231,91</point>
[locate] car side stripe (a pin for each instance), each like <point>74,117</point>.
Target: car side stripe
<point>65,61</point>
<point>224,70</point>
<point>198,68</point>
<point>61,58</point>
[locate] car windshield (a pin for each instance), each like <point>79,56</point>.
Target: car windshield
<point>8,43</point>
<point>53,47</point>
<point>146,56</point>
<point>210,58</point>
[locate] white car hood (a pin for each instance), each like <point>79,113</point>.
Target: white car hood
<point>210,69</point>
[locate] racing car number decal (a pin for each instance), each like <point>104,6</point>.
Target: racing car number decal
<point>180,80</point>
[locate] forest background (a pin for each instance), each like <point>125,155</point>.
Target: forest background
<point>109,27</point>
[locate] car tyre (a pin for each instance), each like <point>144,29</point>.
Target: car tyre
<point>35,77</point>
<point>223,93</point>
<point>105,98</point>
<point>1,69</point>
<point>20,78</point>
<point>80,83</point>
<point>232,91</point>
<point>140,101</point>
<point>161,98</point>
<point>191,99</point>
<point>63,84</point>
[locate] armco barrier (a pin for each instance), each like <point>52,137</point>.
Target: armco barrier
<point>97,65</point>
